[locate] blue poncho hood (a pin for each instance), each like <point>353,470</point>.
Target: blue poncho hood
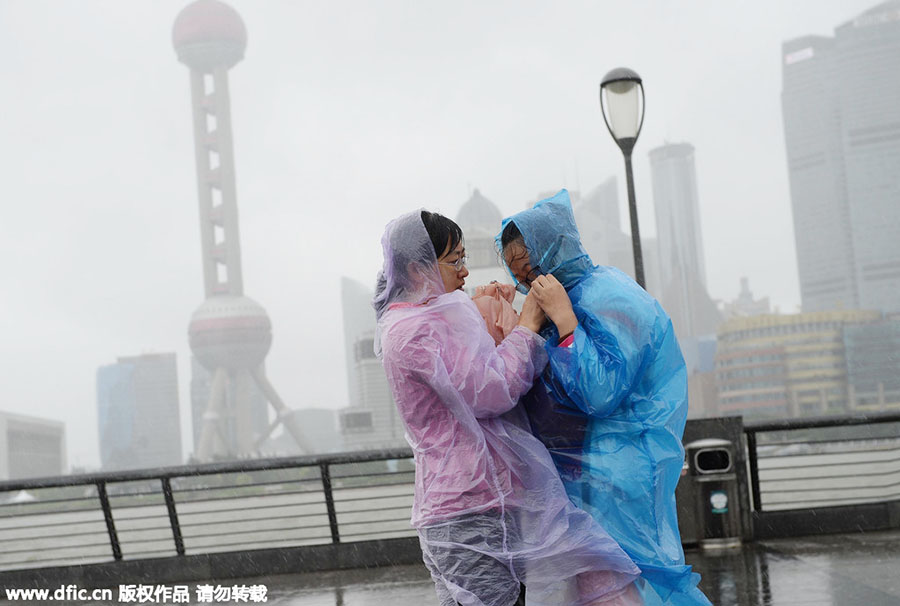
<point>552,239</point>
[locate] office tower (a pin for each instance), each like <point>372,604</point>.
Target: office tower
<point>674,180</point>
<point>682,269</point>
<point>358,318</point>
<point>841,108</point>
<point>371,419</point>
<point>137,413</point>
<point>872,352</point>
<point>230,333</point>
<point>599,224</point>
<point>31,447</point>
<point>600,227</point>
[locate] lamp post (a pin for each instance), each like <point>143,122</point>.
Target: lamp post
<point>622,104</point>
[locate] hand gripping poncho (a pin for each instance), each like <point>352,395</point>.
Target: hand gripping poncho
<point>611,408</point>
<point>486,489</point>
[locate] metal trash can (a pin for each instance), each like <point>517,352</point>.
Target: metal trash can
<point>686,504</point>
<point>711,462</point>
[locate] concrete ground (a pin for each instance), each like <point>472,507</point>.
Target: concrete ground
<point>832,570</point>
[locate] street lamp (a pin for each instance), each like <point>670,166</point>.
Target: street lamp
<point>622,104</point>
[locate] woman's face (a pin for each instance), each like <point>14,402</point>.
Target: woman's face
<point>452,267</point>
<point>516,256</point>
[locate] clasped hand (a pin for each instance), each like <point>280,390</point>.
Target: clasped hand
<point>548,299</point>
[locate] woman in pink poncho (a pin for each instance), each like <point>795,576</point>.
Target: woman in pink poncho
<point>489,507</point>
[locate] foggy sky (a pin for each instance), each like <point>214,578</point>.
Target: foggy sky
<point>346,114</point>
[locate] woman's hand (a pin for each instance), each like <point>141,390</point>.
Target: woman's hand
<point>554,300</point>
<point>532,316</point>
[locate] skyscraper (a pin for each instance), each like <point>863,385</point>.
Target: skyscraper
<point>682,268</point>
<point>872,352</point>
<point>599,224</point>
<point>674,180</point>
<point>31,447</point>
<point>370,420</point>
<point>358,318</point>
<point>137,412</point>
<point>841,107</point>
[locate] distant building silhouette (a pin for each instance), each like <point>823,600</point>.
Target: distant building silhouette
<point>872,352</point>
<point>480,219</point>
<point>31,447</point>
<point>370,420</point>
<point>841,108</point>
<point>776,366</point>
<point>745,305</point>
<point>682,268</point>
<point>137,413</point>
<point>600,226</point>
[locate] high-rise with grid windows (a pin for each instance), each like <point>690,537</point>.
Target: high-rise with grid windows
<point>841,108</point>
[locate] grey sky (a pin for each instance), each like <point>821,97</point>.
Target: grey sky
<point>345,115</point>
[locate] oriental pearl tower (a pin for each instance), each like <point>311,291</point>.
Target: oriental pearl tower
<point>230,334</point>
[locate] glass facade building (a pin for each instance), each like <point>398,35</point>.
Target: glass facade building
<point>841,108</point>
<point>137,413</point>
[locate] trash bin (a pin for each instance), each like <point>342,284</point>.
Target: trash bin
<point>686,504</point>
<point>711,462</point>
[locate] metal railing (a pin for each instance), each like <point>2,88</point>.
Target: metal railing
<point>360,496</point>
<point>205,508</point>
<point>824,461</point>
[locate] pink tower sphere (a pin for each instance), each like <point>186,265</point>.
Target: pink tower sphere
<point>230,331</point>
<point>208,34</point>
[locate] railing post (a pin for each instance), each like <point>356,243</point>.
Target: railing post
<point>173,516</point>
<point>329,502</point>
<point>754,471</point>
<point>110,524</point>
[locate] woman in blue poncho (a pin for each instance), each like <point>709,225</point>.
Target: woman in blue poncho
<point>612,402</point>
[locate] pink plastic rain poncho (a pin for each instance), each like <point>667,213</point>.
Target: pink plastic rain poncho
<point>489,506</point>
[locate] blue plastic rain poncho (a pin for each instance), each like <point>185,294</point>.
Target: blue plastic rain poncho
<point>489,506</point>
<point>611,407</point>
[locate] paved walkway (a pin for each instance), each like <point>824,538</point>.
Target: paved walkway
<point>833,570</point>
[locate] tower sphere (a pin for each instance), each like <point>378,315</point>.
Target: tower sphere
<point>232,332</point>
<point>208,34</point>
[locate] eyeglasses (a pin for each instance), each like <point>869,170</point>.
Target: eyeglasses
<point>525,285</point>
<point>458,264</point>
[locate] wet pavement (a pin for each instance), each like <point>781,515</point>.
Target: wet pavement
<point>833,570</point>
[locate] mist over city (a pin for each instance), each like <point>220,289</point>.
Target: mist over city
<point>490,303</point>
<point>343,116</point>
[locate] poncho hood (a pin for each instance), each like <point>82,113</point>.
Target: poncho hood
<point>552,239</point>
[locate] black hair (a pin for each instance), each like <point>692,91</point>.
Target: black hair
<point>441,229</point>
<point>510,234</point>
